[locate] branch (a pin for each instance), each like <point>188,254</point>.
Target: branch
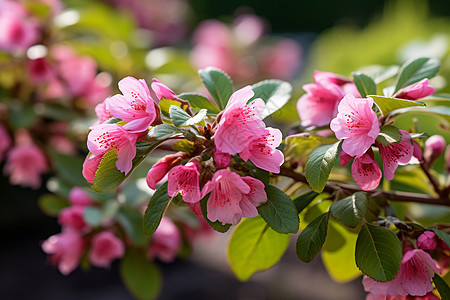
<point>331,187</point>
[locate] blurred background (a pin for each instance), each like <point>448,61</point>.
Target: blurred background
<point>67,56</point>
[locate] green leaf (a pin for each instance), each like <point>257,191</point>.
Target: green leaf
<point>389,134</point>
<point>51,204</point>
<point>178,115</point>
<point>378,252</point>
<point>442,235</point>
<point>200,102</point>
<point>388,105</point>
<point>141,277</point>
<point>319,164</point>
<point>155,209</point>
<point>302,201</point>
<point>92,215</point>
<point>131,220</point>
<point>165,104</point>
<point>262,175</point>
<point>163,131</point>
<point>254,246</point>
<point>351,209</point>
<point>380,73</point>
<point>108,177</point>
<point>218,84</point>
<point>279,211</point>
<point>275,93</point>
<point>442,287</point>
<point>415,70</point>
<point>311,239</point>
<point>69,167</point>
<point>364,84</point>
<point>302,144</point>
<point>217,225</point>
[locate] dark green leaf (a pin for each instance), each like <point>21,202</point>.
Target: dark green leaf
<point>388,105</point>
<point>415,70</point>
<point>378,252</point>
<point>155,209</point>
<point>442,287</point>
<point>21,115</point>
<point>141,277</point>
<point>442,235</point>
<point>311,239</point>
<point>178,115</point>
<point>279,211</point>
<point>200,102</point>
<point>52,204</point>
<point>217,225</point>
<point>258,173</point>
<point>364,84</point>
<point>163,131</point>
<point>351,209</point>
<point>275,93</point>
<point>319,164</point>
<point>389,134</point>
<point>131,221</point>
<point>302,201</point>
<point>69,167</point>
<point>218,85</point>
<point>254,246</point>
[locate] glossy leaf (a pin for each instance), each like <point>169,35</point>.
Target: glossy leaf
<point>254,246</point>
<point>319,164</point>
<point>275,93</point>
<point>155,209</point>
<point>165,104</point>
<point>442,287</point>
<point>279,211</point>
<point>388,105</point>
<point>302,144</point>
<point>217,225</point>
<point>351,209</point>
<point>378,252</point>
<point>163,131</point>
<point>364,84</point>
<point>302,201</point>
<point>311,239</point>
<point>445,237</point>
<point>415,70</point>
<point>141,277</point>
<point>218,85</point>
<point>178,115</point>
<point>200,102</point>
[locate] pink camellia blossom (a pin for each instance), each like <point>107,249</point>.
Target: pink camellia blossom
<point>135,106</point>
<point>65,250</point>
<point>162,167</point>
<point>79,197</point>
<point>366,172</point>
<point>103,137</point>
<point>434,146</point>
<point>162,91</point>
<point>394,154</point>
<point>90,166</point>
<point>233,196</point>
<point>240,122</point>
<point>5,141</point>
<point>73,217</point>
<point>416,91</point>
<point>427,241</point>
<point>413,278</point>
<point>185,179</point>
<point>357,124</point>
<point>166,241</point>
<point>105,247</point>
<point>263,153</point>
<point>25,165</point>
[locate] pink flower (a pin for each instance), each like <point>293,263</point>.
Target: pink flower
<point>103,137</point>
<point>166,241</point>
<point>233,196</point>
<point>240,123</point>
<point>79,197</point>
<point>135,106</point>
<point>281,60</point>
<point>185,179</point>
<point>90,166</point>
<point>328,77</point>
<point>105,247</point>
<point>65,249</point>
<point>366,172</point>
<point>162,91</point>
<point>25,165</point>
<point>221,159</point>
<point>357,124</point>
<point>416,91</point>
<point>262,151</point>
<point>40,70</point>
<point>395,154</point>
<point>427,241</point>
<point>102,113</point>
<point>434,146</point>
<point>73,217</point>
<point>162,167</point>
<point>5,141</point>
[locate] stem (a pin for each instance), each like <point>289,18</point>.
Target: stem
<point>331,187</point>
<point>431,178</point>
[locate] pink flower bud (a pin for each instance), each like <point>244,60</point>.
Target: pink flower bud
<point>434,147</point>
<point>222,159</point>
<point>90,166</point>
<point>427,241</point>
<point>161,168</point>
<point>72,217</point>
<point>79,197</point>
<point>162,91</point>
<point>166,241</point>
<point>105,248</point>
<point>416,91</point>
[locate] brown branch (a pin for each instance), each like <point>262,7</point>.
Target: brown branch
<point>331,187</point>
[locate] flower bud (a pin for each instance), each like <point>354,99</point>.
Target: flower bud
<point>166,241</point>
<point>416,91</point>
<point>79,197</point>
<point>161,168</point>
<point>427,241</point>
<point>105,248</point>
<point>434,146</point>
